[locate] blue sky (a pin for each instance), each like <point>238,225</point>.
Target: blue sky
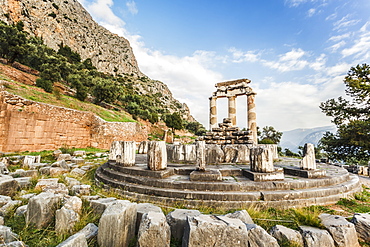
<point>296,52</point>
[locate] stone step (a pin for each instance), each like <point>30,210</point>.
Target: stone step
<point>136,176</point>
<point>256,196</point>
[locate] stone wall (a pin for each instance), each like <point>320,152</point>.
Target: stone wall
<point>27,125</point>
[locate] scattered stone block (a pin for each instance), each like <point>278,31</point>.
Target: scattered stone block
<point>4,200</point>
<point>7,235</point>
<point>77,172</point>
<point>76,240</point>
<point>342,231</point>
<point>200,148</point>
<point>45,170</point>
<point>154,230</point>
<point>66,157</point>
<point>157,155</point>
<point>241,215</point>
<point>86,168</point>
<point>24,182</point>
<point>4,210</point>
<point>101,204</point>
<point>81,190</point>
<point>14,244</point>
<point>56,171</point>
<point>65,219</point>
<point>56,153</point>
<point>3,169</point>
<point>313,237</point>
<point>72,182</point>
<point>37,166</point>
<point>258,237</point>
<point>1,220</point>
<point>127,157</point>
<point>308,161</point>
<point>20,211</point>
<point>362,225</point>
<point>62,164</point>
<point>209,175</point>
<point>78,161</point>
<point>23,173</point>
<point>41,209</point>
<point>73,203</point>
<point>79,153</point>
<point>8,185</point>
<point>28,160</point>
<point>58,188</point>
<point>28,196</point>
<point>214,154</point>
<point>44,182</point>
<point>209,230</point>
<point>287,235</point>
<point>117,224</point>
<point>89,231</point>
<point>261,160</point>
<point>143,208</point>
<point>177,220</point>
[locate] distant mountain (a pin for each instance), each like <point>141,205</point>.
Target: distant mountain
<point>294,138</point>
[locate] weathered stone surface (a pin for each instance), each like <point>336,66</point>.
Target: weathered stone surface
<point>231,153</point>
<point>24,173</point>
<point>44,182</point>
<point>56,171</point>
<point>3,168</point>
<point>214,154</point>
<point>362,225</point>
<point>117,224</point>
<point>273,149</point>
<point>143,147</point>
<point>342,231</point>
<point>8,185</point>
<point>14,244</point>
<point>209,230</point>
<point>73,203</point>
<point>78,160</point>
<point>7,235</point>
<point>4,210</point>
<point>4,200</point>
<point>66,157</point>
<point>308,161</point>
<point>28,160</point>
<point>72,181</point>
<point>285,234</point>
<point>37,166</point>
<point>115,150</point>
<point>58,188</point>
<point>45,170</point>
<point>77,172</point>
<point>243,153</point>
<point>261,160</point>
<point>41,209</point>
<point>313,237</point>
<point>62,164</point>
<point>157,155</point>
<point>81,190</point>
<point>177,220</point>
<point>207,175</point>
<point>178,153</point>
<point>190,153</point>
<point>200,148</point>
<point>21,210</point>
<point>143,208</point>
<point>1,220</point>
<point>127,157</point>
<point>56,153</point>
<point>65,219</point>
<point>76,240</point>
<point>258,237</point>
<point>241,215</point>
<point>101,204</point>
<point>79,153</point>
<point>154,230</point>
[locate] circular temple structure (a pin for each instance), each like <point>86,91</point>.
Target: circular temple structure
<point>173,186</point>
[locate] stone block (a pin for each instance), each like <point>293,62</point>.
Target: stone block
<point>258,237</point>
<point>8,185</point>
<point>285,234</point>
<point>241,215</point>
<point>362,225</point>
<point>62,164</point>
<point>45,170</point>
<point>28,160</point>
<point>231,153</point>
<point>58,188</point>
<point>79,153</point>
<point>41,209</point>
<point>261,160</point>
<point>56,153</point>
<point>101,204</point>
<point>313,237</point>
<point>37,166</point>
<point>72,181</point>
<point>21,211</point>
<point>127,156</point>
<point>117,224</point>
<point>115,150</point>
<point>143,147</point>
<point>207,175</point>
<point>200,148</point>
<point>190,153</point>
<point>177,220</point>
<point>76,240</point>
<point>308,161</point>
<point>214,154</point>
<point>65,219</point>
<point>4,200</point>
<point>66,157</point>
<point>154,230</point>
<point>73,203</point>
<point>78,161</point>
<point>243,154</point>
<point>42,183</point>
<point>277,175</point>
<point>3,169</point>
<point>304,173</point>
<point>218,231</point>
<point>342,231</point>
<point>143,208</point>
<point>56,171</point>
<point>6,209</point>
<point>7,235</point>
<point>81,190</point>
<point>77,172</point>
<point>157,155</point>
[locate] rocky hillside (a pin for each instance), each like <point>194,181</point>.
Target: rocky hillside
<point>67,22</point>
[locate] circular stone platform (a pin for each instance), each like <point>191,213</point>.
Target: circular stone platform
<point>173,186</point>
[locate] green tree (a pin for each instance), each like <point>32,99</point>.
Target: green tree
<point>66,51</point>
<point>352,118</point>
<point>173,121</point>
<point>269,135</point>
<point>13,41</point>
<point>105,90</point>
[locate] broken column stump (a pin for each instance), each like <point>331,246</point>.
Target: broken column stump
<point>157,155</point>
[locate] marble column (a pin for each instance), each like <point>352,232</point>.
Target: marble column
<point>252,118</point>
<point>201,155</point>
<point>232,109</point>
<point>212,112</point>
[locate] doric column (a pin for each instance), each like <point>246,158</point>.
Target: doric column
<point>252,118</point>
<point>212,112</point>
<point>232,110</point>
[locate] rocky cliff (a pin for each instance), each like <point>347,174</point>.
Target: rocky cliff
<point>67,22</point>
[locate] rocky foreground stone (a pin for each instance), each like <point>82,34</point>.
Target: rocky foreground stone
<point>143,224</point>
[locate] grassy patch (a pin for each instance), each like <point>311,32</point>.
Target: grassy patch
<point>359,204</point>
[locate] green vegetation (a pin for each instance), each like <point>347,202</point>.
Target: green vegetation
<point>269,135</point>
<point>351,143</point>
<point>121,91</point>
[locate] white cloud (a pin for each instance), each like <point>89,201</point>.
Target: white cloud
<point>311,12</point>
<point>289,61</point>
<point>239,56</point>
<point>361,47</point>
<point>339,37</point>
<point>131,5</point>
<point>344,23</point>
<point>339,69</point>
<point>319,63</point>
<point>336,46</point>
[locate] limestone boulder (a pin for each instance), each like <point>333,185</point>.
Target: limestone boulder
<point>56,153</point>
<point>99,205</point>
<point>313,237</point>
<point>58,188</point>
<point>241,215</point>
<point>117,224</point>
<point>76,240</point>
<point>286,235</point>
<point>81,190</point>
<point>73,203</point>
<point>157,155</point>
<point>342,231</point>
<point>71,182</point>
<point>56,171</point>
<point>41,209</point>
<point>143,208</point>
<point>24,182</point>
<point>21,211</point>
<point>209,230</point>
<point>258,237</point>
<point>65,219</point>
<point>3,169</point>
<point>231,153</point>
<point>154,229</point>
<point>66,157</point>
<point>8,185</point>
<point>6,235</point>
<point>77,172</point>
<point>362,225</point>
<point>28,160</point>
<point>214,154</point>
<point>177,220</point>
<point>79,153</point>
<point>44,182</point>
<point>61,164</point>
